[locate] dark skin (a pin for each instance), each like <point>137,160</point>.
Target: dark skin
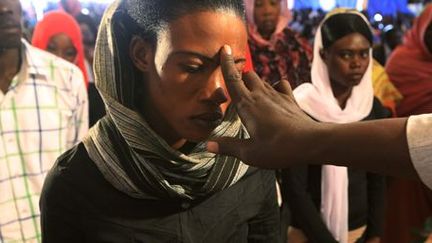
<point>282,135</point>
<point>347,60</point>
<point>61,45</point>
<point>184,95</point>
<point>266,16</point>
<point>10,42</point>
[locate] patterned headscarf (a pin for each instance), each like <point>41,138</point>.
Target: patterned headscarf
<point>129,154</point>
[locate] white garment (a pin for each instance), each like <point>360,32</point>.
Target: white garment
<point>419,136</point>
<point>317,100</point>
<point>44,112</point>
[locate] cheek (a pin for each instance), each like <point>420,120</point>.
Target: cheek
<point>341,67</point>
<point>337,70</point>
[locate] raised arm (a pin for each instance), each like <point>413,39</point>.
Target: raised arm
<point>282,135</point>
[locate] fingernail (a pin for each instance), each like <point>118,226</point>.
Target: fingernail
<point>227,49</point>
<point>212,147</point>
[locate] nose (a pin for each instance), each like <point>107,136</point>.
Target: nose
<point>215,89</point>
<point>356,62</point>
<point>268,9</point>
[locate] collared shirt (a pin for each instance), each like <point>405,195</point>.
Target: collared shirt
<point>44,112</point>
<point>419,136</point>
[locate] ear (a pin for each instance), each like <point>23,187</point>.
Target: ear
<point>141,53</point>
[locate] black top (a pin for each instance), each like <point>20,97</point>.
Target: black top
<point>79,205</point>
<point>301,189</point>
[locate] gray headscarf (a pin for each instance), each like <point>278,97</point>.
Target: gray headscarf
<point>129,154</point>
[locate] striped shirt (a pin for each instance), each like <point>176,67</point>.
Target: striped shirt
<point>44,112</point>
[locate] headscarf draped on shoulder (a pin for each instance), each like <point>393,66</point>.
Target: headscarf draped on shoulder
<point>317,100</point>
<point>129,154</point>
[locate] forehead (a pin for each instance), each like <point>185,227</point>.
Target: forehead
<point>353,41</point>
<point>61,40</point>
<point>207,31</point>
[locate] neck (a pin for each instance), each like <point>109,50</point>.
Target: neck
<point>10,62</point>
<point>341,93</point>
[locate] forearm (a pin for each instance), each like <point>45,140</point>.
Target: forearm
<point>378,146</point>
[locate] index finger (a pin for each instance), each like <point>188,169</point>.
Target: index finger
<point>233,78</point>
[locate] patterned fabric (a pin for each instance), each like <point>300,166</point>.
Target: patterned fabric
<point>285,55</point>
<point>130,155</point>
<point>290,58</point>
<point>43,114</point>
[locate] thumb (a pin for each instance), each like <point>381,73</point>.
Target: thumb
<point>229,146</point>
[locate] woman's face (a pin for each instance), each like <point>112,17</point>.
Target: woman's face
<point>185,96</point>
<point>266,16</point>
<point>61,45</point>
<point>428,37</point>
<point>347,60</point>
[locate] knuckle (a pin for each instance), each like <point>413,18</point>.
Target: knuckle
<point>233,76</point>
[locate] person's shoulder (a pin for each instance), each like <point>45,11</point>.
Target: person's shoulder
<point>45,59</point>
<point>56,71</point>
<point>68,161</point>
<point>64,171</point>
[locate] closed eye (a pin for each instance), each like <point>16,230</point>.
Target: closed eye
<point>191,68</point>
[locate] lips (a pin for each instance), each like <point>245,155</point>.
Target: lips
<point>208,119</point>
<point>356,75</point>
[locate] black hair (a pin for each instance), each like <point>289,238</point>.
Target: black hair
<point>147,18</point>
<point>152,16</point>
<point>340,25</point>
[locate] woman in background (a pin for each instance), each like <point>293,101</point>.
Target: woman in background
<point>277,51</point>
<point>63,40</point>
<point>332,203</point>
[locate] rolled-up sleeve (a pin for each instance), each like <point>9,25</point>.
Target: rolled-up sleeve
<point>419,136</point>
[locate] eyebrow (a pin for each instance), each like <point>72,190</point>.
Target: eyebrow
<point>206,58</point>
<point>363,49</point>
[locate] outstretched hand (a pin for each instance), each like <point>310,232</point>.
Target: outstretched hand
<point>277,126</point>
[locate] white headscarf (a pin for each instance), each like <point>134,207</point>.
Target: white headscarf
<point>317,100</point>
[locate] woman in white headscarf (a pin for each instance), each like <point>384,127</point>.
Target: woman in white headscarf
<point>332,203</point>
